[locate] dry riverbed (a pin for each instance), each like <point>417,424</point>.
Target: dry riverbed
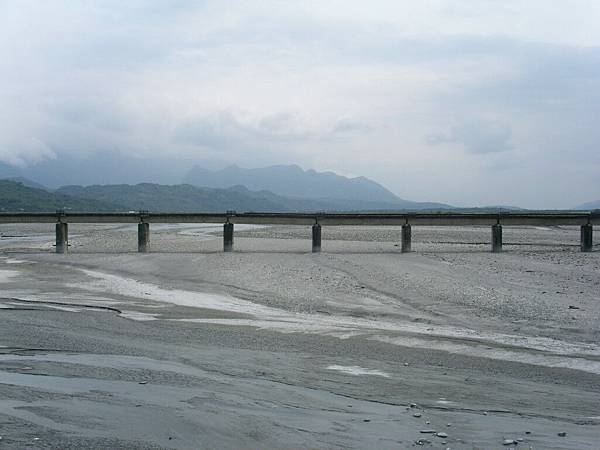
<point>360,346</point>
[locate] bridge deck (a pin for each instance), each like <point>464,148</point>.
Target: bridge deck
<point>331,219</point>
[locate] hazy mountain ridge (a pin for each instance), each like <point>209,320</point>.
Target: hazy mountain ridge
<point>15,197</point>
<point>292,181</point>
<point>589,205</point>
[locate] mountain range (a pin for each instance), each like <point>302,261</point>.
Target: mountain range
<point>129,182</point>
<point>16,196</point>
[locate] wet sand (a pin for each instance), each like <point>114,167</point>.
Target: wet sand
<point>274,347</point>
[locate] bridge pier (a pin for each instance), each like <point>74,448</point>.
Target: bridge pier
<point>586,238</point>
<point>62,237</point>
<point>496,238</point>
<point>143,237</point>
<point>228,237</point>
<point>316,238</point>
<point>406,238</point>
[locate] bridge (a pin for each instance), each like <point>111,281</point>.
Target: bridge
<point>585,220</point>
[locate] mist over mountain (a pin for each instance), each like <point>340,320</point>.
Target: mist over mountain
<point>326,190</point>
<point>99,168</point>
<point>589,205</point>
<point>293,181</point>
<point>16,197</point>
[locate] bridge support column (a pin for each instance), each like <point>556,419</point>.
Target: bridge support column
<point>143,237</point>
<point>406,238</point>
<point>497,238</point>
<point>62,237</point>
<point>586,238</point>
<point>316,238</point>
<point>228,237</point>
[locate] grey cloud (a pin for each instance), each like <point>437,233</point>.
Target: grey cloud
<point>113,75</point>
<point>479,136</point>
<point>348,126</point>
<point>224,131</point>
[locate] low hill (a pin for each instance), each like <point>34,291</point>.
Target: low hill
<point>15,197</point>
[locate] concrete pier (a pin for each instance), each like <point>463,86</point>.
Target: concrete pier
<point>228,237</point>
<point>497,238</point>
<point>316,238</point>
<point>143,237</point>
<point>62,237</point>
<point>406,238</point>
<point>586,238</point>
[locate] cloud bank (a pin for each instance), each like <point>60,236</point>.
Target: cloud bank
<point>492,104</point>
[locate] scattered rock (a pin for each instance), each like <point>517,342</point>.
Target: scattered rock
<point>573,307</point>
<point>417,415</point>
<point>423,442</point>
<point>427,431</point>
<point>562,433</point>
<point>520,439</point>
<point>442,435</point>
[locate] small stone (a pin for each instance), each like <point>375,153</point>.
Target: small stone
<point>562,433</point>
<point>442,435</point>
<point>508,442</point>
<point>417,415</point>
<point>449,425</point>
<point>143,382</point>
<point>427,422</point>
<point>423,442</point>
<point>520,439</point>
<point>485,413</point>
<point>366,420</point>
<point>573,307</point>
<point>528,432</point>
<point>406,364</point>
<point>427,431</point>
<point>413,405</point>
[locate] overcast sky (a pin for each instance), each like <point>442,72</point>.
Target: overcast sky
<point>465,102</point>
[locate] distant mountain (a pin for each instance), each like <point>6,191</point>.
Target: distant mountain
<point>27,182</point>
<point>292,181</point>
<point>100,168</point>
<point>15,197</point>
<point>188,198</point>
<point>178,198</point>
<point>589,205</point>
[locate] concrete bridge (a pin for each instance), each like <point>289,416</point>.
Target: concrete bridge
<point>585,220</point>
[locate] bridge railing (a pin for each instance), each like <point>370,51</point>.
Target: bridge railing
<point>585,220</point>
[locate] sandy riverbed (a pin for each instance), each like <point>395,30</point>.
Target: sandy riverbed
<point>275,347</point>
